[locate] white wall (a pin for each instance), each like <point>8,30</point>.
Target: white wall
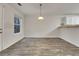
<point>35,28</point>
<point>71,35</point>
<point>0,27</point>
<point>0,42</point>
<point>9,37</point>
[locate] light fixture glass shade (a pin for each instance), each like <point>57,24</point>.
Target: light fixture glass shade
<point>40,18</point>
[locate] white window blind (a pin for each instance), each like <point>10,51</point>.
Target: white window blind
<point>74,20</point>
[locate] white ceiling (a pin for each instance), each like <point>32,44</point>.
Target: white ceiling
<point>48,8</point>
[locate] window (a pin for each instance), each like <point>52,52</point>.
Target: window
<point>71,20</point>
<point>16,24</point>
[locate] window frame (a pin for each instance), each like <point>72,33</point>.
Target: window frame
<point>17,26</point>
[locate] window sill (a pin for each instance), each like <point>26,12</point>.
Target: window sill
<point>69,26</point>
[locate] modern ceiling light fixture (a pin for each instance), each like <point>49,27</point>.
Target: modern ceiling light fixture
<point>19,4</point>
<point>40,17</point>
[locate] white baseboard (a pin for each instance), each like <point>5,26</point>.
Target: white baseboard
<point>12,44</point>
<point>53,37</point>
<point>70,42</point>
<point>41,37</point>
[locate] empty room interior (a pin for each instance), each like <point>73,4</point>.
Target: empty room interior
<point>39,29</point>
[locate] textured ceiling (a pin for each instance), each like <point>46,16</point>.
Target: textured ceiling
<point>48,8</point>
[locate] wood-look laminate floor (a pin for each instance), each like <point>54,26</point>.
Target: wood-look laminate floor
<point>41,47</point>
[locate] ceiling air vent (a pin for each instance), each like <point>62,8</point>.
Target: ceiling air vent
<point>19,4</point>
